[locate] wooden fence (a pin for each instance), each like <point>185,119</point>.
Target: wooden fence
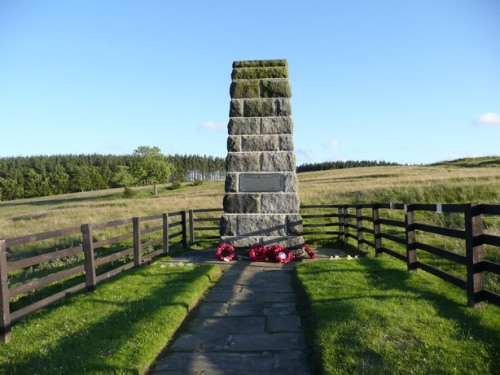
<point>88,257</point>
<point>98,256</point>
<point>374,230</point>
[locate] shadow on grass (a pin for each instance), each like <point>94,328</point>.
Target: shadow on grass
<point>59,200</point>
<point>336,326</point>
<point>96,348</point>
<point>382,277</point>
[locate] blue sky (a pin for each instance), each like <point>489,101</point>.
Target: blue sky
<point>403,81</point>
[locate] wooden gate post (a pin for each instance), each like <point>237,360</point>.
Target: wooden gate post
<point>136,224</point>
<point>474,253</point>
<point>376,230</point>
<point>88,253</point>
<point>5,330</point>
<point>166,224</point>
<point>411,250</point>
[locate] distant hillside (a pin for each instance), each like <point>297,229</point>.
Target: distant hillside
<point>328,165</point>
<point>486,161</point>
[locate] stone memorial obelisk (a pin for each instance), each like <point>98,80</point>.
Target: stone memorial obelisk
<point>261,202</point>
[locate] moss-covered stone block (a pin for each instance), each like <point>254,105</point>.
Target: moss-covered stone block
<point>275,88</point>
<point>258,108</point>
<point>267,107</point>
<point>245,89</point>
<point>259,73</point>
<point>259,63</point>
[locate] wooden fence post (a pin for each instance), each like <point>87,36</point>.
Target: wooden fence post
<point>166,224</point>
<point>191,226</point>
<point>474,253</point>
<point>346,221</point>
<point>5,330</point>
<point>359,227</point>
<point>184,229</point>
<point>411,250</point>
<point>136,223</point>
<point>341,221</point>
<point>376,230</point>
<point>88,253</point>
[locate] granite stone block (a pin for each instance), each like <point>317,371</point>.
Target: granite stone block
<point>234,143</point>
<point>277,161</point>
<point>276,125</point>
<point>279,203</point>
<point>242,162</point>
<point>244,125</point>
<point>260,143</point>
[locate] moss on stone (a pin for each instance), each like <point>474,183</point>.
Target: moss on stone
<point>275,89</point>
<point>266,107</point>
<point>259,73</point>
<point>258,108</point>
<point>244,89</point>
<point>259,63</point>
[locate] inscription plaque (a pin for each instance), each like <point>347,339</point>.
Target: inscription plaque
<point>261,182</point>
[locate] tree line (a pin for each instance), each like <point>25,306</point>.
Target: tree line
<point>310,167</point>
<point>37,176</point>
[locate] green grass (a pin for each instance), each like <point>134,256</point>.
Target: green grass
<point>120,328</point>
<point>371,316</point>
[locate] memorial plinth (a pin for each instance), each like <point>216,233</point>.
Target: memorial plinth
<point>261,202</point>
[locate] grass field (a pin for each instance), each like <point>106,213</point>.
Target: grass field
<point>403,184</point>
<point>367,316</point>
<point>118,329</point>
<point>371,316</point>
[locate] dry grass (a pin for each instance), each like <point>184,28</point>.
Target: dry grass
<point>352,185</point>
<point>362,184</point>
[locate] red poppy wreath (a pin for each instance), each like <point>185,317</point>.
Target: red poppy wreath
<point>225,252</point>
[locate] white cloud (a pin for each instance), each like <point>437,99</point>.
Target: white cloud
<point>212,125</point>
<point>334,143</point>
<point>488,119</point>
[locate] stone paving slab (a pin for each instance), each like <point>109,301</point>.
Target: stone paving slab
<point>233,363</point>
<point>247,324</point>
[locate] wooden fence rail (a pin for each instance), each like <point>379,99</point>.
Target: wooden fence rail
<point>93,256</point>
<point>472,237</point>
<point>369,225</point>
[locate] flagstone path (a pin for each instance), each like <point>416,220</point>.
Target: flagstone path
<point>247,324</point>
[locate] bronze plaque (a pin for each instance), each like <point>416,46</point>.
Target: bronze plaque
<point>261,182</point>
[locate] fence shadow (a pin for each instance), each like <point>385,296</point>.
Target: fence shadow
<point>104,338</point>
<point>452,309</point>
